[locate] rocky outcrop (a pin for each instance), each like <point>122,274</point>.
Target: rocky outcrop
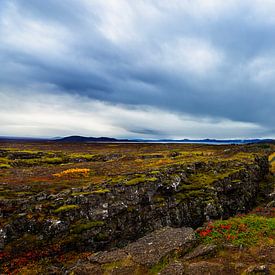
<point>95,219</point>
<point>142,255</point>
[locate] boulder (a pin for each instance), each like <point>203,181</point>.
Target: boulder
<point>150,249</point>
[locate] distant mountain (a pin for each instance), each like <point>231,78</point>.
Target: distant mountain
<point>10,139</point>
<point>207,141</point>
<point>221,141</point>
<point>86,139</point>
<point>109,139</point>
<point>212,141</point>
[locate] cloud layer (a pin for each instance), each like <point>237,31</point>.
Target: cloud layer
<point>137,68</point>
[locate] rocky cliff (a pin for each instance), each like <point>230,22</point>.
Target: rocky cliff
<point>124,209</point>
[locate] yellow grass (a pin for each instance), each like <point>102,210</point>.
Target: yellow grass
<point>83,172</point>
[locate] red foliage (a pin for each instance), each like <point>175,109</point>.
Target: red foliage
<point>230,237</point>
<point>226,227</point>
<point>3,255</point>
<point>15,262</point>
<point>204,232</point>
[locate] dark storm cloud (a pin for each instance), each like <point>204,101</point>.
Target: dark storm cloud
<point>202,58</point>
<point>146,132</point>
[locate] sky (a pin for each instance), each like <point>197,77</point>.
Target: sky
<point>137,69</point>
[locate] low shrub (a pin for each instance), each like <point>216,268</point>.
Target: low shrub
<point>73,172</point>
<point>245,230</point>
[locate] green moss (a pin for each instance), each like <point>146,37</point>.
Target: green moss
<point>101,191</point>
<point>118,179</point>
<point>4,160</point>
<point>28,162</point>
<point>155,269</point>
<point>55,160</point>
<point>138,178</point>
<point>110,266</point>
<point>203,178</point>
<point>135,181</point>
<point>101,237</point>
<point>236,181</point>
<point>7,194</point>
<point>36,161</point>
<point>155,172</point>
<point>190,194</point>
<point>98,191</point>
<point>141,179</point>
<point>158,199</point>
<point>189,187</point>
<point>81,193</point>
<point>207,178</point>
<point>4,166</point>
<point>87,157</point>
<point>165,261</point>
<point>131,208</point>
<point>12,194</point>
<point>33,152</point>
<point>23,193</point>
<point>65,208</point>
<point>79,228</point>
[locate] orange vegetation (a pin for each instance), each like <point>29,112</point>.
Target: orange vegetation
<point>73,172</point>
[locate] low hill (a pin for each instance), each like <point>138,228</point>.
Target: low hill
<point>86,139</point>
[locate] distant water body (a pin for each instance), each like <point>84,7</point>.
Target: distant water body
<point>183,142</point>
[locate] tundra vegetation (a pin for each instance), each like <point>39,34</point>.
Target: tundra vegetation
<point>49,186</point>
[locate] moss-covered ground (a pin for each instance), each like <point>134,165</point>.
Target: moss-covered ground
<point>31,168</point>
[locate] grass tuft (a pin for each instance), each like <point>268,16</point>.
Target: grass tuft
<point>65,208</point>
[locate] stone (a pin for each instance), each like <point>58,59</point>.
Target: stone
<point>127,270</point>
<point>271,204</point>
<point>175,268</point>
<point>3,237</point>
<point>108,256</point>
<point>204,268</point>
<point>257,269</point>
<point>86,269</point>
<point>201,250</point>
<point>150,249</point>
<point>144,253</point>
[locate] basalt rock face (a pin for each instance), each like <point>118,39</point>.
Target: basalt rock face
<point>138,257</point>
<point>178,196</point>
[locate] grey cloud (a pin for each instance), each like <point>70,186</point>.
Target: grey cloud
<point>175,58</point>
<point>146,131</point>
